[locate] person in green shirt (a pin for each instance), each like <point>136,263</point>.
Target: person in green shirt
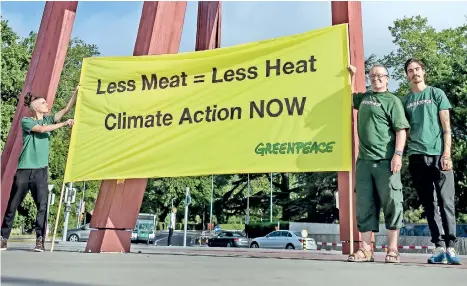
<point>430,165</point>
<point>32,172</point>
<point>381,126</point>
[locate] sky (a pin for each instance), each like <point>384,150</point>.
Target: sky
<point>113,26</point>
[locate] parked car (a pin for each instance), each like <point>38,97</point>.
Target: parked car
<point>79,234</point>
<point>283,239</point>
<point>228,239</point>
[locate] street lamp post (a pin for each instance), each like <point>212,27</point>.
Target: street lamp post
<point>187,202</point>
<point>50,201</point>
<point>212,194</point>
<point>247,221</point>
<point>270,211</point>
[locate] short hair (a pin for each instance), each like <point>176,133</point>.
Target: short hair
<point>413,60</point>
<point>29,98</point>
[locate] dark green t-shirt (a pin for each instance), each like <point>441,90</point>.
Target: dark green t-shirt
<point>380,116</point>
<point>422,111</point>
<point>35,152</point>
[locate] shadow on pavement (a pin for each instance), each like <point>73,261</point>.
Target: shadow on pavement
<point>406,260</point>
<point>7,280</point>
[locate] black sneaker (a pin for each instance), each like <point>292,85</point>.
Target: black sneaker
<point>4,243</point>
<point>39,244</point>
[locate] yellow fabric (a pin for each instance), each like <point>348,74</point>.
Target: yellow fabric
<point>238,80</point>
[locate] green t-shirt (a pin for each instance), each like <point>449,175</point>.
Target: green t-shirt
<point>422,111</point>
<point>380,116</point>
<point>35,152</point>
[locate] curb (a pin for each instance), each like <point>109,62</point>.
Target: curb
<point>30,240</point>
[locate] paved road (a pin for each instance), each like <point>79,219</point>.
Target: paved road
<point>67,268</point>
<point>177,238</point>
<point>161,238</point>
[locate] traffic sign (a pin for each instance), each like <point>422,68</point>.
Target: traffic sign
<point>51,199</point>
<point>188,200</point>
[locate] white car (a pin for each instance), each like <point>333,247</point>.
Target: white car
<point>283,239</point>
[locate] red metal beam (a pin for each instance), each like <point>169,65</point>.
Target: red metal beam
<point>160,28</point>
<point>42,79</point>
<point>208,33</point>
<point>350,12</point>
<point>118,204</point>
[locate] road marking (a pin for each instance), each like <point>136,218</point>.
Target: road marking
<point>155,243</point>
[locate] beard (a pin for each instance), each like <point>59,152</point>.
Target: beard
<point>417,79</point>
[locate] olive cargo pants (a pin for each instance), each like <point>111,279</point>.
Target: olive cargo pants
<point>376,186</point>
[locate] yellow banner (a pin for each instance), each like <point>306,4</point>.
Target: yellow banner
<point>281,105</point>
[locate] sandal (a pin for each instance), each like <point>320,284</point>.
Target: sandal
<point>357,256</point>
<point>392,256</point>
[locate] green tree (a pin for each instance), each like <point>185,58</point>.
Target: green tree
<point>317,198</point>
<point>161,193</point>
<point>15,62</point>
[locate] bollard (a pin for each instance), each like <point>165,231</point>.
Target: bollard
<point>304,234</point>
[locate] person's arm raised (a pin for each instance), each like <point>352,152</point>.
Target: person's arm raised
<point>356,97</point>
<point>51,127</point>
<point>68,107</point>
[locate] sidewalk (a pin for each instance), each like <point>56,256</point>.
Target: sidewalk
<point>31,238</point>
<point>66,268</point>
<point>406,258</point>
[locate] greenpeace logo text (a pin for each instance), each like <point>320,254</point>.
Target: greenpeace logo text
<point>284,148</point>
<point>420,102</point>
<point>369,102</point>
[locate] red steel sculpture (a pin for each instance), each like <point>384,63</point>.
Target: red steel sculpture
<point>159,32</point>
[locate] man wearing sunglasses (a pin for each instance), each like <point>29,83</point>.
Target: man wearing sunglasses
<point>381,126</point>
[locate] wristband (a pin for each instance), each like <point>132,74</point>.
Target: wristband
<point>398,153</point>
